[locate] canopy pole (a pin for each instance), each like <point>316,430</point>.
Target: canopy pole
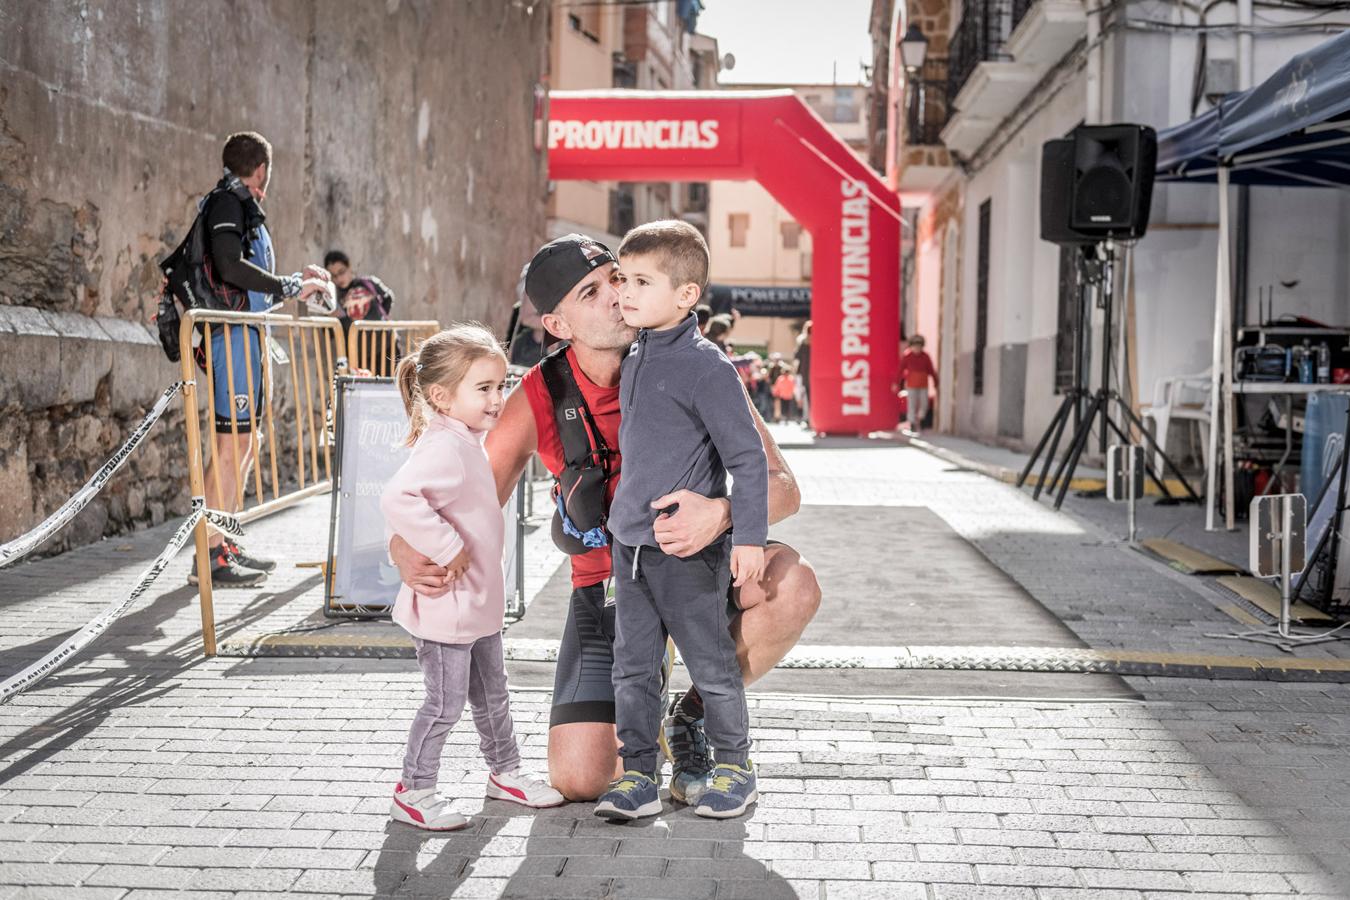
<point>1217,369</point>
<point>1229,418</point>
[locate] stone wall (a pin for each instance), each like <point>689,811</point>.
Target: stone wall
<point>403,133</point>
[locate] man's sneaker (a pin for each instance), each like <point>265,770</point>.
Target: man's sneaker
<point>248,561</point>
<point>523,788</point>
<point>686,746</point>
<point>226,571</point>
<point>631,797</point>
<point>424,809</point>
<point>730,790</point>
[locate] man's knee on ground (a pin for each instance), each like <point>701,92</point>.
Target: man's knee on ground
<point>578,785</point>
<point>582,759</point>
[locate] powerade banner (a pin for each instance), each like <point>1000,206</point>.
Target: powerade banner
<point>755,300</point>
<point>773,138</point>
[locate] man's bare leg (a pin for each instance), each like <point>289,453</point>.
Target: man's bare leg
<point>583,756</point>
<point>775,612</point>
<point>234,459</point>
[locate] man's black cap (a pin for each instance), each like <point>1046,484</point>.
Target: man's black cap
<point>560,265</point>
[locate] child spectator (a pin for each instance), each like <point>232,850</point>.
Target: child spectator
<point>916,367</point>
<point>443,501</point>
<point>686,423</point>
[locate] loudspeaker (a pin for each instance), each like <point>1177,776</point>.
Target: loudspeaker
<point>1057,174</point>
<point>1098,184</point>
<point>1113,180</point>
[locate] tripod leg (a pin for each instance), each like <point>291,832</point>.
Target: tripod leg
<point>1066,410</point>
<point>1153,445</point>
<point>1080,441</point>
<point>1081,426</point>
<point>1054,424</point>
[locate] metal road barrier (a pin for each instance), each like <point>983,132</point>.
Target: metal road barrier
<point>375,348</point>
<point>279,373</point>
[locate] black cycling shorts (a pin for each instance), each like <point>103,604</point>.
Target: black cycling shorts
<point>583,687</point>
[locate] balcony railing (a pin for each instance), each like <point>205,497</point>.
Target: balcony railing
<point>927,110</point>
<point>1019,11</point>
<point>980,37</point>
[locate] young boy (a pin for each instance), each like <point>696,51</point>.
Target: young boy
<point>916,367</point>
<point>686,424</point>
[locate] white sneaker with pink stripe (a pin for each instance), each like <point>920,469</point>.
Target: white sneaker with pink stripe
<point>523,788</point>
<point>425,809</point>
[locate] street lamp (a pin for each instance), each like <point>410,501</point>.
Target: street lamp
<point>913,48</point>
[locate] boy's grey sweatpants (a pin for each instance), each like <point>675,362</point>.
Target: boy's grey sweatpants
<point>453,673</point>
<point>687,599</point>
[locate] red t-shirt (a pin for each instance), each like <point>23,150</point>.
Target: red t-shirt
<point>915,367</point>
<point>593,567</point>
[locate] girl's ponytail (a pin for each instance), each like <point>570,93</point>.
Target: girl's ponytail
<point>406,378</point>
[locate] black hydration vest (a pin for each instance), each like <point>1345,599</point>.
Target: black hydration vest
<point>191,279</point>
<point>580,517</point>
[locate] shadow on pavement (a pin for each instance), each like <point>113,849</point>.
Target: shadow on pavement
<point>148,675</point>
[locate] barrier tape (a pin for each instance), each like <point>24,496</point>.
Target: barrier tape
<point>62,654</point>
<point>20,547</point>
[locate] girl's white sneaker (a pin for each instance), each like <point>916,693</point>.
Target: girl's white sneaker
<point>425,809</point>
<point>523,788</point>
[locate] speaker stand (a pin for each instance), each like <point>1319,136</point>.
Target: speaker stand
<point>1095,269</point>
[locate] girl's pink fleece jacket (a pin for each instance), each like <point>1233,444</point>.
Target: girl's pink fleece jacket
<point>442,500</point>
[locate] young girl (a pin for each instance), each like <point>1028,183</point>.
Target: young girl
<point>443,501</point>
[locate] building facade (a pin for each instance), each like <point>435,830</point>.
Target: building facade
<point>646,46</point>
<point>963,142</point>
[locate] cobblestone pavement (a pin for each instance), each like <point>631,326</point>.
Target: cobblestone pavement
<point>142,769</point>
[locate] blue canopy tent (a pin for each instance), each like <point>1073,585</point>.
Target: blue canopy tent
<point>1292,130</point>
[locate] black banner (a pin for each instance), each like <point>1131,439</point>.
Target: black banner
<point>756,300</point>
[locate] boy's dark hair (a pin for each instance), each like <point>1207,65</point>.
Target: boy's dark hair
<point>678,247</point>
<point>704,313</point>
<point>245,151</point>
<point>336,256</point>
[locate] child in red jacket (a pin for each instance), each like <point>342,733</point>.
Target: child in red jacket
<point>916,367</point>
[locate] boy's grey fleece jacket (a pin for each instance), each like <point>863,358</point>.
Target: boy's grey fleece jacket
<point>685,422</point>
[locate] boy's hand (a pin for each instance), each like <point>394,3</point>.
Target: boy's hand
<point>747,564</point>
<point>457,567</point>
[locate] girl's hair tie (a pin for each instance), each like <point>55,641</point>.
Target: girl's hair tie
<point>418,369</point>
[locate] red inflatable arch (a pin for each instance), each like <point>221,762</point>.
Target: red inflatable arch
<point>771,137</point>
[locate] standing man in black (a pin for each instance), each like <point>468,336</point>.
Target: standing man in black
<point>241,267</point>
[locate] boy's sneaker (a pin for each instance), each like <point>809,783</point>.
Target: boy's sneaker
<point>631,797</point>
<point>523,788</point>
<point>226,572</point>
<point>730,790</point>
<point>424,809</point>
<point>686,746</point>
<point>248,561</point>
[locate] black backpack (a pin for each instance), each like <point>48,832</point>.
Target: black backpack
<point>191,282</point>
<point>580,519</point>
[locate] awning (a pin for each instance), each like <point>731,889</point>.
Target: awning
<point>758,300</point>
<point>1293,129</point>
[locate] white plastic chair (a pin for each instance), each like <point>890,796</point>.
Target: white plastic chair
<point>1184,398</point>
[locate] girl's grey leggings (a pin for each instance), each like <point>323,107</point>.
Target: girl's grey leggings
<point>454,673</point>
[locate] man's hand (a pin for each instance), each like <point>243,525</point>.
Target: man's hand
<point>417,571</point>
<point>458,566</point>
<point>693,526</point>
<point>747,563</point>
<point>319,294</point>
